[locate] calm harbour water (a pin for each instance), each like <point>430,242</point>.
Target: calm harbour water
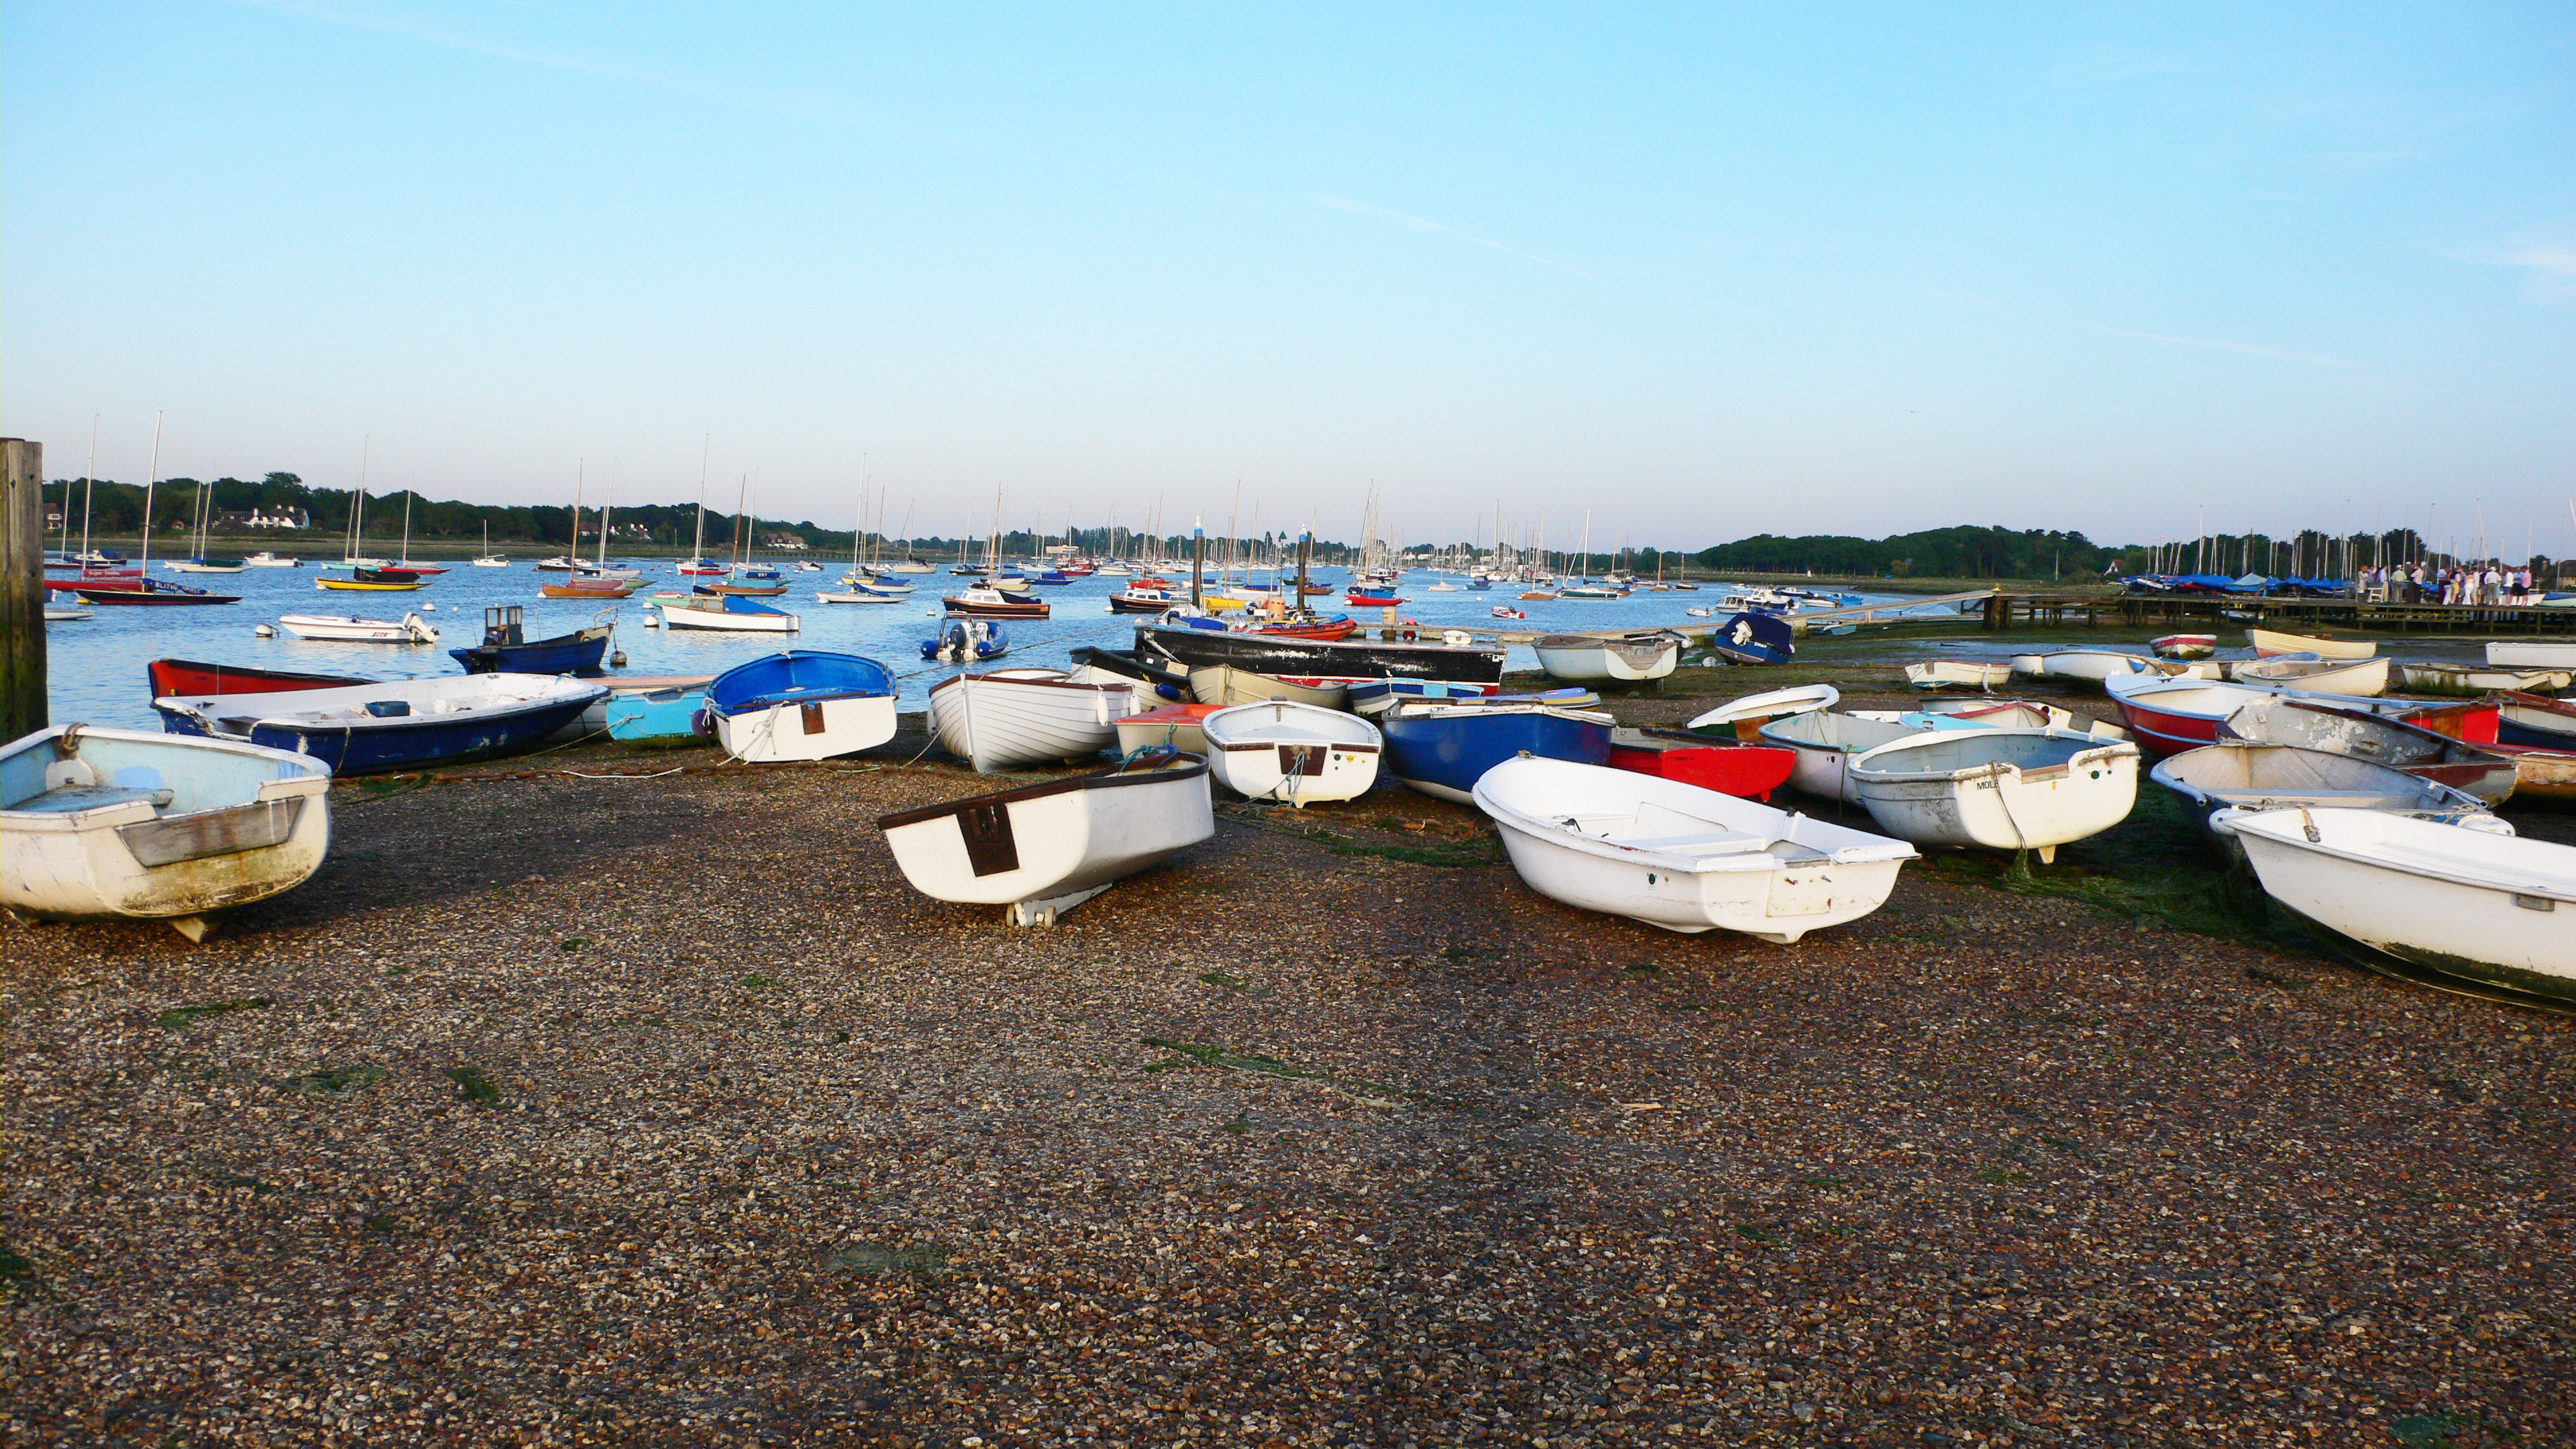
<point>96,666</point>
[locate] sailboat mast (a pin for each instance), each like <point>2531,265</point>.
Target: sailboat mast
<point>149,475</point>
<point>89,489</point>
<point>698,546</point>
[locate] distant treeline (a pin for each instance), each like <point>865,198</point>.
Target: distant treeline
<point>1963,552</point>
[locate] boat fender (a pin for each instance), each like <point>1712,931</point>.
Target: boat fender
<point>264,632</point>
<point>702,723</point>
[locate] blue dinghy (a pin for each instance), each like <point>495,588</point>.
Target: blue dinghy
<point>397,724</point>
<point>1443,749</point>
<point>1751,638</point>
<point>802,704</point>
<point>659,714</point>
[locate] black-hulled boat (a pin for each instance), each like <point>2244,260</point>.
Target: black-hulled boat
<point>159,592</point>
<point>1319,658</point>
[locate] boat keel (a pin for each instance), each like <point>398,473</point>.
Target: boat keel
<point>1046,910</point>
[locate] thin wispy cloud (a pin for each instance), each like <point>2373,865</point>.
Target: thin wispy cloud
<point>2169,339</point>
<point>2548,269</point>
<point>1416,223</point>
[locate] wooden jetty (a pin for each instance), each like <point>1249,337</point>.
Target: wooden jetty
<point>1697,631</point>
<point>2216,613</point>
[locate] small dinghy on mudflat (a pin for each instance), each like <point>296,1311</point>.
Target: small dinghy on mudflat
<point>1172,726</point>
<point>1824,744</point>
<point>1044,849</point>
<point>2485,913</point>
<point>1998,789</point>
<point>1679,857</point>
<point>2361,678</point>
<point>393,724</point>
<point>1743,718</point>
<point>1958,674</point>
<point>1443,749</point>
<point>100,824</point>
<point>802,704</point>
<point>2235,777</point>
<point>1634,657</point>
<point>2281,720</point>
<point>1281,750</point>
<point>1748,772</point>
<point>1015,717</point>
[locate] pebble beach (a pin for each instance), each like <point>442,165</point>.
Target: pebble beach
<point>615,1097</point>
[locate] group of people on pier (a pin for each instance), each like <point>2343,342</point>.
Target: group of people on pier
<point>2491,584</point>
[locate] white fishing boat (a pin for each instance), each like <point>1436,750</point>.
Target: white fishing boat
<point>1998,789</point>
<point>1824,743</point>
<point>1633,657</point>
<point>2269,642</point>
<point>2472,680</point>
<point>1298,753</point>
<point>103,823</point>
<point>1044,849</point>
<point>2360,678</point>
<point>2230,778</point>
<point>1958,674</point>
<point>728,612</point>
<point>2491,914</point>
<point>1015,717</point>
<point>1680,857</point>
<point>1740,718</point>
<point>1224,684</point>
<point>266,560</point>
<point>2523,654</point>
<point>409,629</point>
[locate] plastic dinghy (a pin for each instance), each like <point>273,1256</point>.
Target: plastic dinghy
<point>1044,849</point>
<point>1281,750</point>
<point>392,724</point>
<point>1998,789</point>
<point>802,704</point>
<point>100,824</point>
<point>1015,717</point>
<point>2233,777</point>
<point>1679,857</point>
<point>2488,775</point>
<point>1825,743</point>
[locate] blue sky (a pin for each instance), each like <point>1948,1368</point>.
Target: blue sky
<point>1702,271</point>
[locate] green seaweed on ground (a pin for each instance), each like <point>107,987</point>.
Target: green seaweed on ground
<point>2427,1431</point>
<point>478,1088</point>
<point>1200,1054</point>
<point>756,981</point>
<point>336,1081</point>
<point>929,1261</point>
<point>14,1267</point>
<point>1233,983</point>
<point>179,1018</point>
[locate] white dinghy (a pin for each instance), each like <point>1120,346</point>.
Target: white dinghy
<point>1998,789</point>
<point>2093,664</point>
<point>1282,750</point>
<point>2491,914</point>
<point>1741,718</point>
<point>1224,684</point>
<point>1044,849</point>
<point>102,824</point>
<point>802,704</point>
<point>1680,857</point>
<point>1015,717</point>
<point>1633,657</point>
<point>2228,779</point>
<point>409,629</point>
<point>1825,742</point>
<point>1958,674</point>
<point>2528,654</point>
<point>2360,678</point>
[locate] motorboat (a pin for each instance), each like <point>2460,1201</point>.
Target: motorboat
<point>730,612</point>
<point>1958,674</point>
<point>409,629</point>
<point>2319,725</point>
<point>1043,849</point>
<point>1632,657</point>
<point>1441,749</point>
<point>964,641</point>
<point>1729,768</point>
<point>993,603</point>
<point>99,824</point>
<point>1015,717</point>
<point>1278,749</point>
<point>507,649</point>
<point>1680,857</point>
<point>2227,779</point>
<point>1171,726</point>
<point>1743,718</point>
<point>2361,678</point>
<point>2478,911</point>
<point>1822,745</point>
<point>1223,684</point>
<point>2271,642</point>
<point>392,724</point>
<point>802,704</point>
<point>267,560</point>
<point>1997,789</point>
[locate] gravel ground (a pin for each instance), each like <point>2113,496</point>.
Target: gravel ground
<point>561,1111</point>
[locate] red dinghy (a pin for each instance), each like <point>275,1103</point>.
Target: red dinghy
<point>188,677</point>
<point>1338,627</point>
<point>1371,601</point>
<point>1750,771</point>
<point>95,579</point>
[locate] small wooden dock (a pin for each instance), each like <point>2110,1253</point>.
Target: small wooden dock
<point>2210,614</point>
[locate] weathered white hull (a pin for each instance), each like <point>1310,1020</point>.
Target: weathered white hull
<point>2358,678</point>
<point>2483,909</point>
<point>1634,660</point>
<point>1823,743</point>
<point>1044,848</point>
<point>1963,788</point>
<point>807,730</point>
<point>1017,717</point>
<point>1298,753</point>
<point>154,826</point>
<point>1958,674</point>
<point>1679,857</point>
<point>2523,655</point>
<point>2470,681</point>
<point>2268,642</point>
<point>2093,664</point>
<point>1224,684</point>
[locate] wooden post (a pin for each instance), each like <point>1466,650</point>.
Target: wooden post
<point>22,588</point>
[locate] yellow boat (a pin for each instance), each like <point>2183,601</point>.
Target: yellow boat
<point>358,585</point>
<point>2269,642</point>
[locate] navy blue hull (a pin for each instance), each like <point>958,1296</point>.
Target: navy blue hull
<point>1446,755</point>
<point>418,741</point>
<point>567,655</point>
